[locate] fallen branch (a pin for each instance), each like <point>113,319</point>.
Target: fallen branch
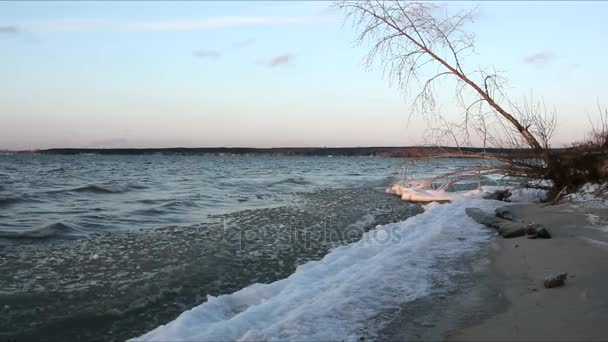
<point>558,197</point>
<point>430,181</point>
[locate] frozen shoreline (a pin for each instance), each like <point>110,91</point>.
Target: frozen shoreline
<point>363,290</point>
<point>507,301</point>
<point>446,277</point>
<point>354,290</point>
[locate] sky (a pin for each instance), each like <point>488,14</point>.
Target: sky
<point>262,74</point>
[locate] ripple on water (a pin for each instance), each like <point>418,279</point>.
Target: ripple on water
<point>129,283</point>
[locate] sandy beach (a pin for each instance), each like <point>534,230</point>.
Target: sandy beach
<point>504,298</point>
<point>576,311</point>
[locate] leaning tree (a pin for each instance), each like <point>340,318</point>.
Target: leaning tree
<point>422,43</point>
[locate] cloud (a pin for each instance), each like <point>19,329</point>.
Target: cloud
<point>70,25</point>
<point>207,53</point>
<point>210,23</point>
<point>9,29</point>
<point>222,23</point>
<point>280,60</point>
<point>540,58</point>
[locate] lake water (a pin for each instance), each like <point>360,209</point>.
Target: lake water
<point>42,195</point>
<point>110,247</point>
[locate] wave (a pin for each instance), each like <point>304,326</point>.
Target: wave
<point>341,296</point>
<point>292,180</point>
<point>150,200</point>
<point>55,230</point>
<point>6,201</point>
<point>179,204</point>
<point>167,207</point>
<point>100,189</point>
<point>107,188</point>
<point>24,198</point>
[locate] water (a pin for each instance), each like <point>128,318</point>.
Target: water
<point>109,247</point>
<point>74,196</point>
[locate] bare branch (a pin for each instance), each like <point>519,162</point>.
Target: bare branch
<point>420,47</point>
<point>405,29</point>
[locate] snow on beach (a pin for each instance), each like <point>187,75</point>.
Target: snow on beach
<point>414,193</point>
<point>341,296</point>
<point>417,194</point>
<point>591,195</point>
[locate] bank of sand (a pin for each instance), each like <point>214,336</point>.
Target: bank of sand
<point>526,310</point>
<point>503,297</point>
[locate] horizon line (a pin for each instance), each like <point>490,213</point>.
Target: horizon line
<point>263,148</point>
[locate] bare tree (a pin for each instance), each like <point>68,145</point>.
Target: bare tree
<point>412,38</point>
<point>422,43</point>
<point>598,136</point>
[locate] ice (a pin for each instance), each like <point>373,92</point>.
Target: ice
<point>418,194</point>
<point>591,195</point>
<point>340,296</point>
<point>430,206</point>
<point>593,219</point>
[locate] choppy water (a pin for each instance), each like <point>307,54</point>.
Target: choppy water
<point>110,247</point>
<point>42,195</point>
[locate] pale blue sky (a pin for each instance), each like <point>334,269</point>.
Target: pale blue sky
<point>260,74</point>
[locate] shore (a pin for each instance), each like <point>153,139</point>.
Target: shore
<point>576,311</point>
<point>503,297</point>
<point>117,287</point>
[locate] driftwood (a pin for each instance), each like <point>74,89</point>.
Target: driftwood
<point>506,227</point>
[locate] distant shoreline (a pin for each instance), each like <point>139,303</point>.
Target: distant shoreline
<point>389,151</point>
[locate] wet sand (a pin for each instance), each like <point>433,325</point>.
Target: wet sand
<point>502,298</point>
<point>576,311</point>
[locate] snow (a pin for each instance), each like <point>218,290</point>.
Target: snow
<point>414,193</point>
<point>591,195</point>
<point>418,194</point>
<point>596,222</point>
<point>525,194</point>
<point>430,206</point>
<point>593,219</point>
<point>341,296</point>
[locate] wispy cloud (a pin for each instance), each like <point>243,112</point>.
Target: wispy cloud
<point>210,23</point>
<point>9,29</point>
<point>280,60</point>
<point>70,24</point>
<point>222,22</point>
<point>540,58</point>
<point>207,53</point>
